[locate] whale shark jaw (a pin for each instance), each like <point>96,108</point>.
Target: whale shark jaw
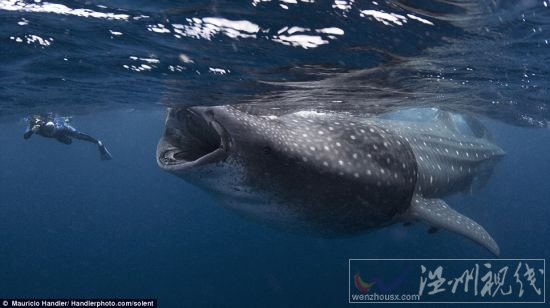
<point>190,140</point>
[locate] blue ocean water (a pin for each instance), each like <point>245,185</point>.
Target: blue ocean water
<point>75,226</point>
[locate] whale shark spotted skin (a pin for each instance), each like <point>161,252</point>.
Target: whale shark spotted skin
<point>332,174</point>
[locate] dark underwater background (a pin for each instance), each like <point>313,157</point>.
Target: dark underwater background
<point>74,226</point>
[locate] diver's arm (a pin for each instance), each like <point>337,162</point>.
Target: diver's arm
<point>28,133</point>
<point>30,130</point>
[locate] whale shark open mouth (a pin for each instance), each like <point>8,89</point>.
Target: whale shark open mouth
<point>190,140</point>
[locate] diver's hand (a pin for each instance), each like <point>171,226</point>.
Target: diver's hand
<point>31,131</point>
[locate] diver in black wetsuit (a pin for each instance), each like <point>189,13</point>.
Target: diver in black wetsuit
<point>59,128</point>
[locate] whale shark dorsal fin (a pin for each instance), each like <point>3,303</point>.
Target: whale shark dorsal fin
<point>447,120</point>
<point>478,129</point>
<point>436,213</point>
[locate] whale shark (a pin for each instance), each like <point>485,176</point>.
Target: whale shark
<point>331,173</point>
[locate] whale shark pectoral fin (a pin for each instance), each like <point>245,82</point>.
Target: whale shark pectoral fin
<point>437,214</point>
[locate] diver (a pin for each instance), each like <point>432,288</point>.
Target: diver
<point>50,126</point>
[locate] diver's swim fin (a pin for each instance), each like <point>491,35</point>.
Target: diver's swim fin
<point>437,214</point>
<point>103,152</point>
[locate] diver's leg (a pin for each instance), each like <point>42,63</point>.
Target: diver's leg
<point>64,139</point>
<point>103,152</point>
<point>85,137</point>
<point>68,130</point>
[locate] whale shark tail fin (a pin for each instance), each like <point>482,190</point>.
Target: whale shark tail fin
<point>437,214</point>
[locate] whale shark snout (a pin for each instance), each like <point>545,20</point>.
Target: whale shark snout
<point>331,174</point>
